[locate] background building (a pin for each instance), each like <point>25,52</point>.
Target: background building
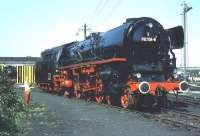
<point>21,68</point>
<point>192,73</point>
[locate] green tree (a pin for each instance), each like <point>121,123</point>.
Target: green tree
<point>10,106</point>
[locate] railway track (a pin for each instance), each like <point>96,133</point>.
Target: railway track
<point>185,120</point>
<point>170,117</point>
<point>185,99</point>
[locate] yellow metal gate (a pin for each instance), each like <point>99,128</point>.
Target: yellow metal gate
<point>23,73</point>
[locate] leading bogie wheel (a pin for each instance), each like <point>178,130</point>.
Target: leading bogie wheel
<point>126,99</point>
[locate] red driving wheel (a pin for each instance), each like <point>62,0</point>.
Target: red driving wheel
<point>124,99</point>
<point>99,98</point>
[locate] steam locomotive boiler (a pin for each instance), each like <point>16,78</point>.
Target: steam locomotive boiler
<point>131,64</point>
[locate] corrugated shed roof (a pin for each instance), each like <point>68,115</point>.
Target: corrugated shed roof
<point>19,58</point>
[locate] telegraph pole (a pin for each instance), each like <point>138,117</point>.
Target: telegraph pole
<point>84,28</point>
<point>186,8</point>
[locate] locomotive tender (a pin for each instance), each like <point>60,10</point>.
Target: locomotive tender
<point>131,64</point>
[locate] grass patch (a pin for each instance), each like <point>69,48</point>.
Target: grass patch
<point>35,116</point>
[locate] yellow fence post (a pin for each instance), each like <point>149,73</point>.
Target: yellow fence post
<point>17,75</point>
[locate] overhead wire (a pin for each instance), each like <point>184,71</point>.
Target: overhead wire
<point>91,15</point>
<point>98,11</point>
<point>111,12</point>
<point>95,13</point>
<point>103,11</point>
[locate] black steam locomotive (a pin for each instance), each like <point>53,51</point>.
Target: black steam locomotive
<point>130,64</point>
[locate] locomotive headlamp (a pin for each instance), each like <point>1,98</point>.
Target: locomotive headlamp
<point>138,75</point>
<point>175,75</point>
<point>150,25</point>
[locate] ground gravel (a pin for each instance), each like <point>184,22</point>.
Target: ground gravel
<point>52,115</point>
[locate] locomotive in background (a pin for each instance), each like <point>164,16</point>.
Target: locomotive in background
<point>133,64</point>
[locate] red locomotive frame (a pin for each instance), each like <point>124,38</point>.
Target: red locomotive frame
<point>78,88</point>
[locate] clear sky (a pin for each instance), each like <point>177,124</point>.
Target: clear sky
<point>27,27</point>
